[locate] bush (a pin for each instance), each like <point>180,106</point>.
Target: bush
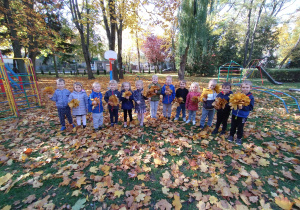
<point>98,72</point>
<point>143,71</point>
<point>42,71</point>
<point>84,73</point>
<point>281,75</point>
<point>71,72</point>
<point>49,72</point>
<point>64,71</point>
<point>104,72</point>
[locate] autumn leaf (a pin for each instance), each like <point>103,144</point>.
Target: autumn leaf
<point>163,205</point>
<point>4,179</point>
<point>118,193</point>
<point>283,202</point>
<point>79,204</point>
<point>176,202</point>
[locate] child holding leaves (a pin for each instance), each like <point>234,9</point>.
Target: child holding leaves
<point>192,101</point>
<point>139,99</point>
<point>168,92</point>
<point>112,97</point>
<point>127,101</point>
<point>96,107</point>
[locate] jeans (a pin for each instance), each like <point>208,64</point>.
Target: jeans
<point>62,112</point>
<point>167,109</point>
<point>205,113</point>
<point>179,108</point>
<point>113,113</point>
<point>97,119</point>
<point>153,108</point>
<point>237,123</point>
<point>192,115</point>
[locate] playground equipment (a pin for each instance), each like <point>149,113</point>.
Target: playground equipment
<point>230,71</point>
<point>19,91</point>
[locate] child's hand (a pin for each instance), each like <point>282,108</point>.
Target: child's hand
<point>127,97</point>
<point>155,91</point>
<point>138,102</point>
<point>240,106</point>
<point>149,99</point>
<point>94,102</point>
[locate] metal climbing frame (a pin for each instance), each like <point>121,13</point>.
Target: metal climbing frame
<point>230,71</point>
<point>22,89</point>
<point>275,92</point>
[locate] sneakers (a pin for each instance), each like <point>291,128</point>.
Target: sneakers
<point>63,128</point>
<point>188,121</point>
<point>215,131</point>
<point>184,120</point>
<point>230,138</point>
<point>125,126</point>
<point>238,142</point>
<point>222,132</point>
<point>112,124</point>
<point>73,125</point>
<point>176,118</point>
<point>201,126</point>
<point>100,128</point>
<point>84,126</point>
<point>194,122</point>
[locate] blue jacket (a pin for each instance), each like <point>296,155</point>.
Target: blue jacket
<point>244,112</point>
<point>167,99</point>
<point>138,96</point>
<point>226,97</point>
<point>61,98</point>
<point>108,94</point>
<point>99,107</point>
<point>127,103</point>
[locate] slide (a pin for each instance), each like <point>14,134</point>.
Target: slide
<point>12,82</point>
<point>264,72</point>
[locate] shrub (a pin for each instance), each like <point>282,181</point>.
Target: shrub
<point>42,71</point>
<point>104,72</point>
<point>84,73</point>
<point>49,72</point>
<point>98,72</point>
<point>281,75</point>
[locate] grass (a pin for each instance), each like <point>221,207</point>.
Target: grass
<point>159,148</point>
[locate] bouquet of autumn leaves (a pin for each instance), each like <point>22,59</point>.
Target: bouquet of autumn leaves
<point>238,100</point>
<point>168,90</point>
<point>113,100</point>
<point>97,100</point>
<point>73,103</point>
<point>220,103</point>
<point>48,90</point>
<point>196,99</point>
<point>126,94</point>
<point>178,101</point>
<point>151,92</point>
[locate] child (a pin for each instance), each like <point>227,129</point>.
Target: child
<point>95,107</point>
<point>61,96</point>
<point>168,97</point>
<point>127,102</point>
<point>223,114</point>
<point>81,110</point>
<point>181,92</point>
<point>140,105</point>
<point>191,105</point>
<point>239,116</point>
<point>154,99</point>
<point>113,110</point>
<point>208,97</point>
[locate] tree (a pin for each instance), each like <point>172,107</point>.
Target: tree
<point>80,18</point>
<point>154,50</point>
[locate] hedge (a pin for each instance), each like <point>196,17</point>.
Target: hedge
<point>281,75</point>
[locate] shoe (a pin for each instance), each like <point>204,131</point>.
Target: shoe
<point>184,120</point>
<point>96,130</point>
<point>201,126</point>
<point>73,125</point>
<point>84,126</point>
<point>230,138</point>
<point>112,124</point>
<point>215,131</point>
<point>63,128</point>
<point>194,122</point>
<point>188,121</point>
<point>100,128</point>
<point>169,118</point>
<point>238,142</point>
<point>125,126</point>
<point>222,132</point>
<point>176,118</point>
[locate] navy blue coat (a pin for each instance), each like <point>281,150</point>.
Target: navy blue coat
<point>127,103</point>
<point>110,93</point>
<point>226,97</point>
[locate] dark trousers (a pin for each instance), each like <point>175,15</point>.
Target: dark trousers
<point>113,113</point>
<point>222,118</point>
<point>129,113</point>
<point>237,123</point>
<point>64,112</point>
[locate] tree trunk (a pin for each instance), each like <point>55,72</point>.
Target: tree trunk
<point>254,30</point>
<point>247,35</point>
<point>291,51</point>
<point>14,37</point>
<point>183,63</point>
<point>120,62</point>
<point>55,67</point>
<point>138,51</point>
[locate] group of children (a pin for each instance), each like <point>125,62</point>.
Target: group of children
<point>137,100</point>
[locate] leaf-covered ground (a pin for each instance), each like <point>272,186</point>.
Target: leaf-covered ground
<point>164,165</point>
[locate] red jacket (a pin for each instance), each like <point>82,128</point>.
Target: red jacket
<point>189,104</point>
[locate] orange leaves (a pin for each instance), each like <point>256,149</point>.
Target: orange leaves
<point>195,99</point>
<point>48,90</point>
<point>113,100</point>
<point>238,100</point>
<point>73,103</point>
<point>220,103</point>
<point>218,88</point>
<point>95,102</point>
<point>168,90</point>
<point>152,91</point>
<point>28,151</point>
<point>126,94</point>
<point>283,202</point>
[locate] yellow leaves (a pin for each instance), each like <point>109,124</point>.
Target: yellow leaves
<point>93,169</point>
<point>203,167</point>
<point>263,162</point>
<point>118,193</point>
<point>113,100</point>
<point>105,169</point>
<point>220,103</point>
<point>168,90</point>
<point>238,100</point>
<point>163,205</point>
<point>195,99</point>
<point>141,177</point>
<point>283,202</point>
<point>80,182</point>
<point>176,202</point>
<point>151,92</point>
<point>4,179</point>
<point>126,94</point>
<point>73,103</point>
<point>48,90</point>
